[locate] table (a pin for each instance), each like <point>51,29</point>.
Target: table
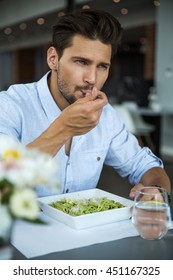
<point>132,248</point>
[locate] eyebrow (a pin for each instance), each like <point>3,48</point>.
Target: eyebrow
<point>90,61</point>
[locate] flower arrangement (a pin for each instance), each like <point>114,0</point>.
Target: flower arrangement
<point>21,170</point>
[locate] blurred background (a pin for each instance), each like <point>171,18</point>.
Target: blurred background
<point>141,76</point>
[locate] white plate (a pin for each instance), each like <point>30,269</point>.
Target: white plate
<point>87,220</point>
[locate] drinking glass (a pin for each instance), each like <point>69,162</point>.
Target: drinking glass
<point>151,212</point>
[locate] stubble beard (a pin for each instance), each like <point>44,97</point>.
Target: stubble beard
<point>64,90</point>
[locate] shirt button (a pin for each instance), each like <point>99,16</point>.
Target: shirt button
<point>98,158</point>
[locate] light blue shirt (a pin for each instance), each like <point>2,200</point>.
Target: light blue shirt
<point>26,110</point>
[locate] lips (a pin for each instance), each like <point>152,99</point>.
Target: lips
<point>85,92</point>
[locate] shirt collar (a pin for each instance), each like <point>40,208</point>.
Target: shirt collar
<point>51,109</point>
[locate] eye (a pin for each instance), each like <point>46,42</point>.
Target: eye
<point>103,66</point>
<point>81,62</point>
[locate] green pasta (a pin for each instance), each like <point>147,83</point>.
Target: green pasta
<point>85,206</point>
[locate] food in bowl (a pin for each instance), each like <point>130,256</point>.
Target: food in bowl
<point>85,206</point>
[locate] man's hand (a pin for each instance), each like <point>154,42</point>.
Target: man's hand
<point>84,114</point>
<point>152,191</point>
<point>154,176</point>
<point>77,119</point>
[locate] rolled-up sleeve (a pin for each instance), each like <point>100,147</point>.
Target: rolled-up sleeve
<point>127,157</point>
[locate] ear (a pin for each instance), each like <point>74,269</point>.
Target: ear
<point>52,58</point>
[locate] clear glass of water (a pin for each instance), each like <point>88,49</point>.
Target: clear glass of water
<point>151,212</point>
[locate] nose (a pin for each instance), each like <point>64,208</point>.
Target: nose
<point>90,76</point>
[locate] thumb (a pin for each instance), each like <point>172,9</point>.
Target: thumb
<point>133,190</point>
<point>93,94</point>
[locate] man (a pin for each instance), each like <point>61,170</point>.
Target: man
<point>68,116</point>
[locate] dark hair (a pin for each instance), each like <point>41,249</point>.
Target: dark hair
<point>92,24</point>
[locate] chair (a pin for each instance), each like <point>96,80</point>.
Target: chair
<point>167,151</point>
<point>135,124</point>
<point>143,128</point>
<point>126,116</point>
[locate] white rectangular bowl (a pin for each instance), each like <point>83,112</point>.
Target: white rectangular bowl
<point>87,220</point>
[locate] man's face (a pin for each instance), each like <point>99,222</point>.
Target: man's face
<point>82,66</point>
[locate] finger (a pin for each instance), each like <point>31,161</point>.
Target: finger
<point>97,94</point>
<point>94,94</point>
<point>90,94</point>
<point>97,99</point>
<point>133,190</point>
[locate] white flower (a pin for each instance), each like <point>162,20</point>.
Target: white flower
<point>7,143</point>
<point>21,170</point>
<point>25,167</point>
<point>23,204</point>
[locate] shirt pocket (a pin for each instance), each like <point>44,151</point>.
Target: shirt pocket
<point>88,166</point>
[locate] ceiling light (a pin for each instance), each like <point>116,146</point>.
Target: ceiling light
<point>116,1</point>
<point>156,3</point>
<point>8,30</point>
<point>23,26</point>
<point>124,11</point>
<point>86,7</point>
<point>61,14</point>
<point>40,21</point>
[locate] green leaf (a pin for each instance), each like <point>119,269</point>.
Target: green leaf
<point>6,189</point>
